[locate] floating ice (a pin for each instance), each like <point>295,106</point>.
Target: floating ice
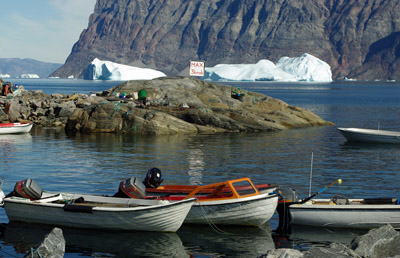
<point>5,75</point>
<point>107,70</point>
<point>29,76</point>
<point>304,68</point>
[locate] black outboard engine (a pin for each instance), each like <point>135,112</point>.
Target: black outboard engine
<point>288,196</point>
<point>153,178</point>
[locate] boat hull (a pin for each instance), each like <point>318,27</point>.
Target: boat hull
<point>248,211</point>
<point>154,216</point>
<point>370,135</point>
<point>363,216</point>
<point>14,128</point>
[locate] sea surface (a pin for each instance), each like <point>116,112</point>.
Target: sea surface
<point>96,163</point>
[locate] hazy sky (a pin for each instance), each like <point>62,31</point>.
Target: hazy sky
<point>45,30</point>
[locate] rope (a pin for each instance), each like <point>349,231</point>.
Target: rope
<point>210,223</point>
<point>116,108</point>
<point>33,251</point>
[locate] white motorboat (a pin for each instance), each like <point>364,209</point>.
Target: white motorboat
<point>346,213</point>
<point>11,128</point>
<point>248,211</point>
<point>232,202</point>
<point>98,212</point>
<point>370,135</point>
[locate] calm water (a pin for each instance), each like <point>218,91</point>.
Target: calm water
<point>97,163</point>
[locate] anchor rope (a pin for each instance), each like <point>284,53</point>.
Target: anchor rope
<point>33,252</point>
<point>210,222</point>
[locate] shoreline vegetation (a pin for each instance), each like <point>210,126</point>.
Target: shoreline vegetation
<point>169,105</point>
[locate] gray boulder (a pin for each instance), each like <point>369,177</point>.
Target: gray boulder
<point>335,250</point>
<point>52,246</point>
<point>377,243</point>
<point>284,253</point>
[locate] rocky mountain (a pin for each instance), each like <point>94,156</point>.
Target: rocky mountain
<point>359,39</point>
<point>17,66</point>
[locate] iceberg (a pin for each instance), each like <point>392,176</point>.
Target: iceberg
<point>29,76</point>
<point>5,75</point>
<point>303,68</point>
<point>107,70</point>
<point>264,70</point>
<point>306,68</point>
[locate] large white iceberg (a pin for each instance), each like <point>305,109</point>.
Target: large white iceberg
<point>107,70</point>
<point>264,70</point>
<point>304,68</point>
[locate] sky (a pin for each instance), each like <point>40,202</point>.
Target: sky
<point>45,30</point>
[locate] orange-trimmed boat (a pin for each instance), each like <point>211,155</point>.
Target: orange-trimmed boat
<point>167,190</point>
<point>233,202</point>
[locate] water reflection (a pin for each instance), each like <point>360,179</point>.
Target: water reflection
<point>23,138</point>
<point>303,237</point>
<point>196,166</point>
<point>189,241</point>
<point>227,241</point>
<point>93,243</point>
<point>11,145</point>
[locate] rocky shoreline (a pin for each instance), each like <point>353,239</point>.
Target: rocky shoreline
<point>377,243</point>
<point>175,105</point>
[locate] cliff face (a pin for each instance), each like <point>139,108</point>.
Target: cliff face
<point>359,39</point>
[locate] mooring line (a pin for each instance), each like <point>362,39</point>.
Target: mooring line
<point>209,221</point>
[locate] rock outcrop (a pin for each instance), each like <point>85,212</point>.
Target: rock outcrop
<point>185,105</point>
<point>359,39</point>
<point>377,243</point>
<point>175,105</point>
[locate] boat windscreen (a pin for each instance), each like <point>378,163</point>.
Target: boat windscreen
<point>244,188</point>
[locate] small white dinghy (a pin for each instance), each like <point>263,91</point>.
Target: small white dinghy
<point>340,212</point>
<point>29,204</point>
<point>346,213</point>
<point>11,128</point>
<point>370,135</point>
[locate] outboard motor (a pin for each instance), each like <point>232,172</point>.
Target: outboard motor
<point>131,188</point>
<point>153,178</point>
<point>287,196</point>
<point>28,188</point>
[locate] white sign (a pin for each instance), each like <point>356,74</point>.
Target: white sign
<point>196,68</point>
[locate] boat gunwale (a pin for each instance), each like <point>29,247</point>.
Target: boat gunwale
<point>354,204</point>
<point>11,125</point>
<point>375,132</point>
<point>24,201</point>
<point>223,201</point>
